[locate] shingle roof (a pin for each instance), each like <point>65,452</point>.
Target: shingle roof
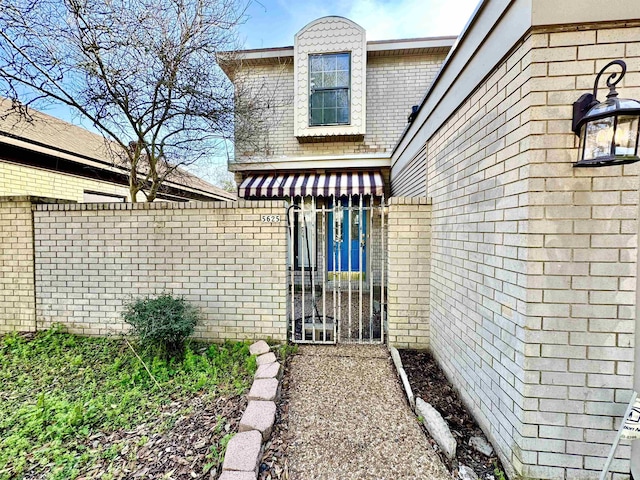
<point>55,137</point>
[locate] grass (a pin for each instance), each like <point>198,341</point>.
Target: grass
<point>57,389</point>
<point>282,350</point>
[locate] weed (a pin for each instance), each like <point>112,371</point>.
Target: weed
<point>282,350</point>
<point>498,473</point>
<point>216,453</point>
<point>57,390</point>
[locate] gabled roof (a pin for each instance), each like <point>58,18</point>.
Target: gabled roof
<point>54,138</point>
<point>375,48</point>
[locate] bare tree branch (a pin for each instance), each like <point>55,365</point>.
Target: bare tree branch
<point>144,72</point>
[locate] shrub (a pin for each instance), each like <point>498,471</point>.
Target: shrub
<point>162,323</point>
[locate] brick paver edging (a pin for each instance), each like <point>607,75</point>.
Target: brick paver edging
<point>244,451</point>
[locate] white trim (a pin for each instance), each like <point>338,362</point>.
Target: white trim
<point>315,158</point>
<point>262,53</point>
<point>554,12</point>
<point>496,27</point>
<point>426,43</point>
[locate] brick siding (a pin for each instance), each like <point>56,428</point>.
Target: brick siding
<point>91,258</point>
<point>394,84</point>
<point>533,261</point>
<point>22,180</point>
<point>409,257</point>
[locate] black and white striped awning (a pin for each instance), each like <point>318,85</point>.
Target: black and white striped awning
<point>275,185</point>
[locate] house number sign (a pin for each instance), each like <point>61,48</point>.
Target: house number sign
<point>270,218</point>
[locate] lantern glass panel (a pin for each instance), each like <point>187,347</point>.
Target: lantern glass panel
<point>582,137</point>
<point>598,138</point>
<point>626,135</point>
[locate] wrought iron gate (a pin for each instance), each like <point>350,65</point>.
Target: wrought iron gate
<point>336,269</point>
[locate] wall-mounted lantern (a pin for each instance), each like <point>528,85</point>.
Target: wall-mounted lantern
<point>608,130</point>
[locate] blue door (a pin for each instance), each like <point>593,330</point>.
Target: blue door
<point>349,234</point>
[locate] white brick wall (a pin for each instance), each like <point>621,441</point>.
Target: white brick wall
<point>478,285</point>
<point>533,261</point>
<point>584,270</point>
<point>17,296</point>
<point>89,259</point>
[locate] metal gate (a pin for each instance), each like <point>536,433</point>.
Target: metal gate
<point>336,269</point>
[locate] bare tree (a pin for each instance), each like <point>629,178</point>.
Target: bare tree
<point>144,72</point>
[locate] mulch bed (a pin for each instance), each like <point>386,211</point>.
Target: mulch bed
<point>429,382</point>
<point>177,445</point>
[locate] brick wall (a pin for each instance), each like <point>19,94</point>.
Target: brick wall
<point>22,180</point>
<point>17,294</point>
<point>478,288</point>
<point>533,261</point>
<point>387,108</point>
<point>581,264</point>
<point>220,256</point>
<point>409,257</point>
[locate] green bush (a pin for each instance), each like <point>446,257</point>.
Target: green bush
<point>162,323</point>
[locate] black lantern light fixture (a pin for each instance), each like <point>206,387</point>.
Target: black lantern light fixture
<point>608,130</point>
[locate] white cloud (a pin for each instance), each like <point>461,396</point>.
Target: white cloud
<point>411,18</point>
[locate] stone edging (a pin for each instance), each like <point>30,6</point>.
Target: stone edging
<point>430,417</point>
<point>395,356</point>
<point>436,425</point>
<point>244,451</point>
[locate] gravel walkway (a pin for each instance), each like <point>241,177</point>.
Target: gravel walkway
<point>349,420</point>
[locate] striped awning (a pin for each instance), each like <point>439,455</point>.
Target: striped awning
<point>311,184</point>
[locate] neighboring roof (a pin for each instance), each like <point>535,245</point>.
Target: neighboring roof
<point>375,48</point>
<point>56,138</point>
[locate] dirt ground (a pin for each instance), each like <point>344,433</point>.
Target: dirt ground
<point>429,383</point>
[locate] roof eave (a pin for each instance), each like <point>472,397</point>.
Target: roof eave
<point>266,55</point>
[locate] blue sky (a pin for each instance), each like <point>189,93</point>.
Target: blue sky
<point>273,23</point>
